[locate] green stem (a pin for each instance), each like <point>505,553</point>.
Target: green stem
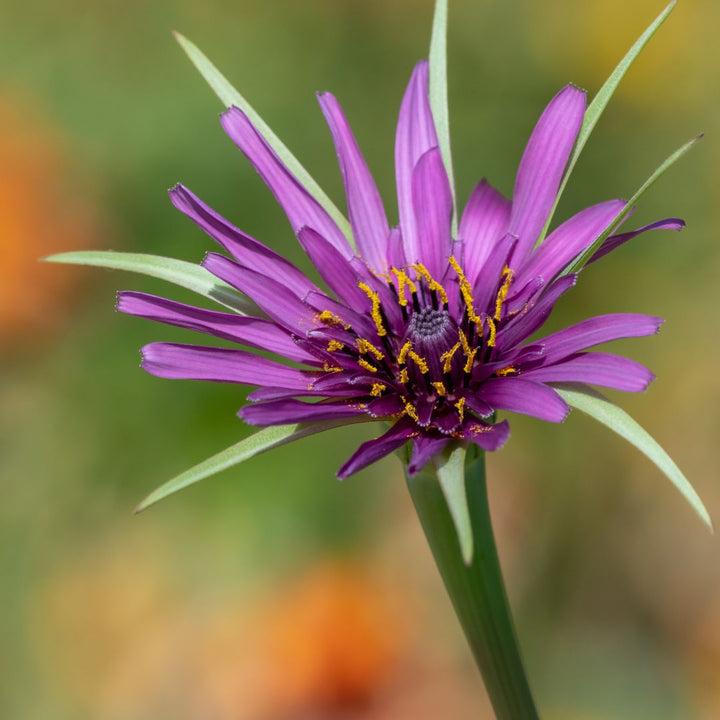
<point>477,591</point>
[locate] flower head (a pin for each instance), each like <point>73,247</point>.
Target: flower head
<point>421,327</point>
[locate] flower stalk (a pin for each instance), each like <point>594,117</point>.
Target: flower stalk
<point>477,590</point>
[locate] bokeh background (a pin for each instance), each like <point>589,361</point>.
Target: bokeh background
<point>273,592</point>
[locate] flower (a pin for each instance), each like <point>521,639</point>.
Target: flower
<point>422,329</point>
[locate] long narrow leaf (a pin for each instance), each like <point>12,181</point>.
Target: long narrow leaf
<point>581,261</point>
<point>185,274</point>
<point>230,96</point>
<point>439,93</point>
<point>601,409</point>
<point>451,475</point>
<point>263,440</point>
<point>600,101</point>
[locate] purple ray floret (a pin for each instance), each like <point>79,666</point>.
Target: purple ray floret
<point>426,331</point>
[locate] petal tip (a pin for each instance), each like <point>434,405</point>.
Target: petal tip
<point>576,88</point>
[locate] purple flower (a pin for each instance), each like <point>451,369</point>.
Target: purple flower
<point>421,329</point>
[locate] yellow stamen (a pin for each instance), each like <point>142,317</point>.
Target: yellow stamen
<point>470,361</point>
<point>493,332</point>
<point>377,389</point>
<point>420,362</point>
<point>503,291</point>
<point>331,368</point>
<point>383,276</point>
<point>446,357</point>
<point>404,376</point>
<point>440,388</point>
<point>375,312</point>
<point>509,370</point>
<point>403,280</point>
<point>329,318</point>
<point>335,345</point>
<point>477,429</point>
<point>432,283</point>
<point>465,345</point>
<point>460,405</point>
<point>404,350</point>
<point>466,292</point>
<point>365,364</point>
<point>411,411</point>
<point>365,346</point>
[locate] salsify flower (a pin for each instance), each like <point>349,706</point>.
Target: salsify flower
<point>431,326</point>
<point>430,330</point>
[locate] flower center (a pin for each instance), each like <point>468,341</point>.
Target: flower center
<point>428,324</point>
<point>427,342</point>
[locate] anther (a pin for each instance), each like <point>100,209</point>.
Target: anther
<point>446,357</point>
<point>365,346</point>
<point>460,405</point>
<point>440,388</point>
<point>503,291</point>
<point>419,361</point>
<point>493,333</point>
<point>404,350</point>
<point>470,361</point>
<point>365,364</point>
<point>411,411</point>
<point>376,312</point>
<point>433,285</point>
<point>328,318</point>
<point>466,292</point>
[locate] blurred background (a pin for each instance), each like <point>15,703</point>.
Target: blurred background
<point>274,592</point>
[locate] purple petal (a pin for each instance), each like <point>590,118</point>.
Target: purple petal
<point>542,166</point>
<point>484,222</point>
<point>327,384</point>
<point>520,296</point>
<point>445,419</point>
<point>488,279</point>
<point>245,249</point>
<point>360,320</point>
<point>367,214</point>
<point>288,411</point>
<point>414,137</point>
<point>385,406</point>
<point>339,274</point>
<point>373,450</point>
<point>526,397</point>
<point>569,240</point>
<point>423,449</point>
<point>433,205</point>
<point>194,362</point>
<point>299,205</point>
<point>615,241</point>
<point>596,330</point>
<point>488,437</point>
<point>597,368</point>
<point>530,320</point>
<point>251,331</point>
<point>281,393</point>
<point>478,406</point>
<point>272,297</point>
<point>396,249</point>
